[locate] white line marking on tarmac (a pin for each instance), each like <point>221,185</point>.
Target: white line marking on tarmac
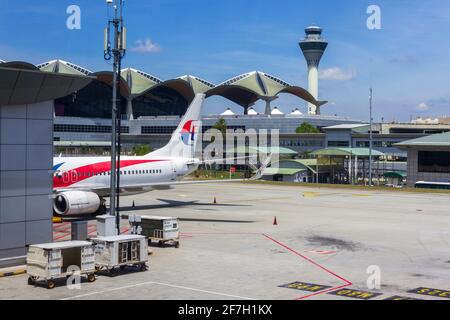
<point>157,283</point>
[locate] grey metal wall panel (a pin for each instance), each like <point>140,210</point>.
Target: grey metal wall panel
<point>41,110</point>
<point>39,157</point>
<point>8,253</point>
<point>38,131</point>
<point>18,111</point>
<point>13,131</point>
<point>12,183</point>
<point>12,235</point>
<point>38,232</point>
<point>12,209</point>
<point>12,157</point>
<point>38,182</point>
<point>39,207</point>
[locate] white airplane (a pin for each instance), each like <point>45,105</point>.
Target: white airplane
<point>80,184</point>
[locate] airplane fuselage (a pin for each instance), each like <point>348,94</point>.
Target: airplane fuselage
<point>136,173</point>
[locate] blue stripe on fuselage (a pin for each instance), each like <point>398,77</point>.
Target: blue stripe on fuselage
<point>56,166</point>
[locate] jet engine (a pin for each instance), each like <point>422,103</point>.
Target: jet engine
<point>76,202</point>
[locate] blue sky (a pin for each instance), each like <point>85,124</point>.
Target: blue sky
<point>406,62</point>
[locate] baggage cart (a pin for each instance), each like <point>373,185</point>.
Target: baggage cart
<point>50,261</point>
<point>116,252</point>
<point>161,229</point>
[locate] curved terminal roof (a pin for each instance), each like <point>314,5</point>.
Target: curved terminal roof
<point>197,84</point>
<point>23,83</point>
<point>138,81</point>
<point>244,89</point>
<point>247,88</point>
<point>19,65</point>
<point>107,77</point>
<point>61,66</point>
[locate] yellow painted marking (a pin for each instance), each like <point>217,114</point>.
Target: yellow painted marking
<point>310,194</point>
<point>350,293</point>
<point>305,286</point>
<point>360,195</point>
<point>432,292</point>
<point>12,273</point>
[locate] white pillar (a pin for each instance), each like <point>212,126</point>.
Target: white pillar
<point>313,88</point>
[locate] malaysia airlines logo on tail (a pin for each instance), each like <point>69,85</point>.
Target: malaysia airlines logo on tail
<point>188,133</point>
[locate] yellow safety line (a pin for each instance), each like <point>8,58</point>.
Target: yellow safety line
<point>12,273</point>
<point>310,194</point>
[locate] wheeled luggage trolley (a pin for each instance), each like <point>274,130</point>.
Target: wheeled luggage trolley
<point>161,229</point>
<point>50,261</point>
<point>117,252</point>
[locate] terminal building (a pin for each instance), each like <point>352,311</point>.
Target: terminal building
<point>152,108</point>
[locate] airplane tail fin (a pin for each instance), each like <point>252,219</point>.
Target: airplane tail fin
<point>184,139</point>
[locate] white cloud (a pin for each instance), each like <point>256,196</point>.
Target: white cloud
<point>336,73</point>
<point>423,107</point>
<point>146,46</point>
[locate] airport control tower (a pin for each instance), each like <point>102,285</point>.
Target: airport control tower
<point>313,47</point>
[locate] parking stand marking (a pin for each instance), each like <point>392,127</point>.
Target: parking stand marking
<point>401,298</point>
<point>357,294</point>
<point>438,293</point>
<point>311,287</point>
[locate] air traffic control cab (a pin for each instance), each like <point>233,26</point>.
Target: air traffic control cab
<point>26,154</point>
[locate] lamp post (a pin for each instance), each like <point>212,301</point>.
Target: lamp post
<point>116,53</point>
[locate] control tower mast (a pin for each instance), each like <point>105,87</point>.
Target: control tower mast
<point>313,47</point>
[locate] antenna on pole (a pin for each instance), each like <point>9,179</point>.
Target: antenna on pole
<point>115,52</point>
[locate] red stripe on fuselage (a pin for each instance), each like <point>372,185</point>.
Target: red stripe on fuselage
<point>71,176</point>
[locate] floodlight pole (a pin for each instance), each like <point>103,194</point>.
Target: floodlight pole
<point>370,138</point>
<point>117,53</point>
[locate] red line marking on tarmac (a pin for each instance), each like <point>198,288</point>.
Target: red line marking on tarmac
<point>323,291</point>
<point>220,233</point>
<point>347,283</point>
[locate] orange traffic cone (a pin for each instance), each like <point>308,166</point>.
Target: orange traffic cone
<point>275,222</point>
